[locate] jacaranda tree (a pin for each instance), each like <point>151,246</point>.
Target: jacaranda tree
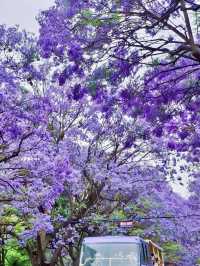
<point>92,113</point>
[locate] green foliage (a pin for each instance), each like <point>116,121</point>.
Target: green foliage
<point>62,207</point>
<point>156,62</point>
<point>136,231</point>
<point>16,256</point>
<point>116,17</point>
<point>172,251</point>
<point>198,261</point>
<point>89,19</point>
<point>118,214</point>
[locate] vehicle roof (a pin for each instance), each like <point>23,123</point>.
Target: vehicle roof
<point>113,239</point>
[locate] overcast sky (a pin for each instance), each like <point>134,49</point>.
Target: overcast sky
<point>22,12</point>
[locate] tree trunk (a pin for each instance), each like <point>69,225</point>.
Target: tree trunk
<point>37,252</point>
<point>74,255</point>
<point>37,261</point>
<point>75,262</point>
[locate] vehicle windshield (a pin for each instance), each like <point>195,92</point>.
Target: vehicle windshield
<point>110,254</point>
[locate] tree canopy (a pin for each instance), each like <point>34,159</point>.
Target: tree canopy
<point>99,115</point>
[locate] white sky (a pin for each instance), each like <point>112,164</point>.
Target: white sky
<point>22,12</point>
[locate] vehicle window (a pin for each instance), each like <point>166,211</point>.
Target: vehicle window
<point>110,254</point>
